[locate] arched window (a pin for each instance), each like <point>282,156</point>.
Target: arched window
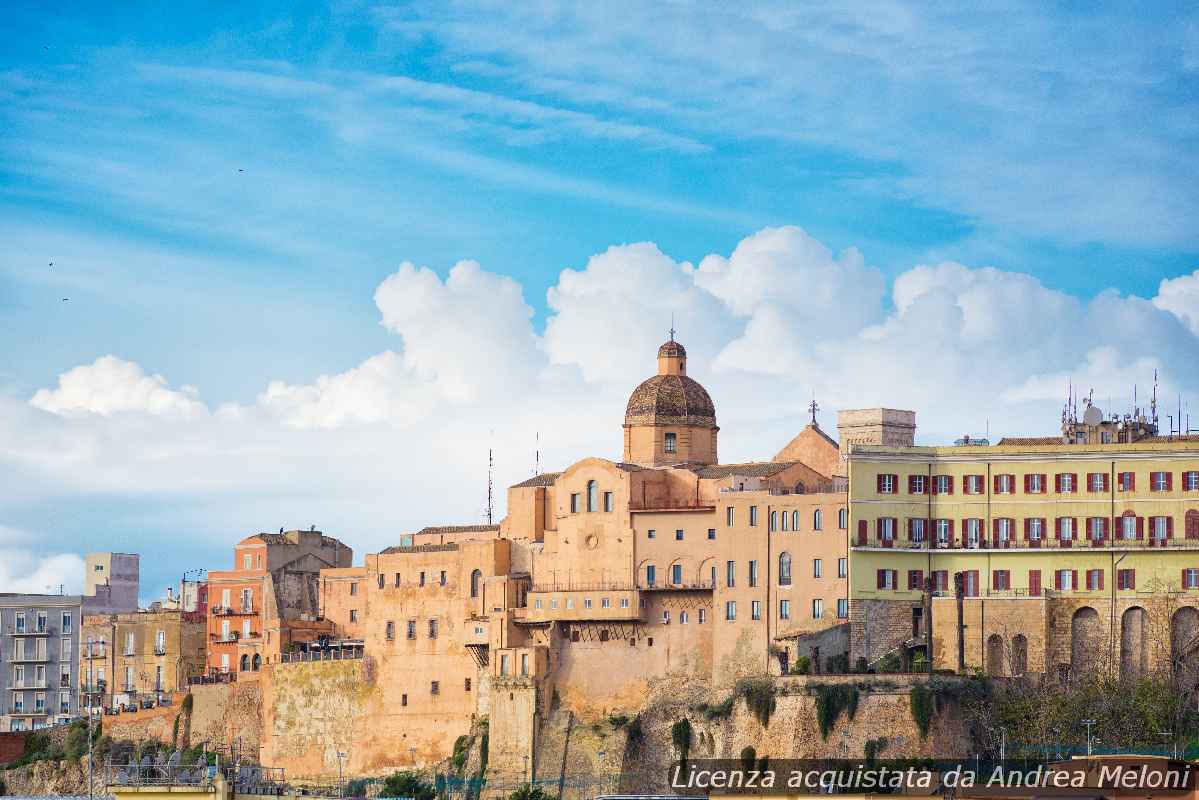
<point>257,662</point>
<point>785,515</point>
<point>799,488</point>
<point>774,520</point>
<point>476,578</point>
<point>592,496</point>
<point>784,569</point>
<point>817,519</point>
<point>794,520</point>
<point>843,518</point>
<point>245,662</point>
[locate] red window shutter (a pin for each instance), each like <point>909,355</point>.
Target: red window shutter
<point>949,483</point>
<point>911,484</point>
<point>1027,482</point>
<point>1074,578</point>
<point>1057,579</point>
<point>1100,576</point>
<point>995,482</point>
<point>1169,527</point>
<point>1074,481</point>
<point>1057,528</point>
<point>1132,579</point>
<point>1183,582</point>
<point>995,580</point>
<point>882,579</point>
<point>878,483</point>
<point>1027,528</point>
<point>1132,481</point>
<point>1057,483</point>
<point>1034,582</point>
<point>951,531</point>
<point>863,532</point>
<point>1140,527</point>
<point>1103,528</point>
<point>1169,481</point>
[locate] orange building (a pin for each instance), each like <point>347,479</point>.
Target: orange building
<point>269,599</point>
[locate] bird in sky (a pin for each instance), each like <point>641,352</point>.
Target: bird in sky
<point>51,263</point>
<point>66,299</point>
<point>239,169</point>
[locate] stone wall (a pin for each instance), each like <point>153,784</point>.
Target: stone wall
<point>227,714</point>
<point>48,778</point>
<point>12,746</point>
<point>877,626</point>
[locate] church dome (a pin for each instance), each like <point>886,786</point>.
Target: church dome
<point>672,349</point>
<point>670,400</point>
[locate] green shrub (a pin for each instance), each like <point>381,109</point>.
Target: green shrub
<point>831,700</point>
<point>461,751</point>
<point>892,662</point>
<point>838,665</point>
<point>720,711</point>
<point>860,666</point>
<point>618,721</point>
<point>759,697</point>
<point>530,792</point>
<point>407,784</point>
<point>922,699</point>
<point>874,748</point>
<point>635,734</point>
<point>188,702</point>
<point>803,666</point>
<point>356,787</point>
<point>748,757</point>
<point>680,735</point>
<point>76,741</point>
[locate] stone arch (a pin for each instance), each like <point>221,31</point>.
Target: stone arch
<point>794,521</point>
<point>256,662</point>
<point>1134,644</point>
<point>245,662</point>
<point>1019,654</point>
<point>817,520</point>
<point>643,572</point>
<point>995,655</point>
<point>799,487</point>
<point>476,581</point>
<point>1086,640</point>
<point>706,573</point>
<point>1184,643</point>
<point>784,570</point>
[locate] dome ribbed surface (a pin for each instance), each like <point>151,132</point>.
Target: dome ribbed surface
<point>672,348</point>
<point>670,400</point>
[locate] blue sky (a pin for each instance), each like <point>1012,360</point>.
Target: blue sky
<point>223,188</point>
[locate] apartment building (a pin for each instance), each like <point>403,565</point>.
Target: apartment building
<point>1068,553</point>
<point>141,658</point>
<point>39,683</point>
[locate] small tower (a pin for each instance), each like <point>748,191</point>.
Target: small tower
<point>670,418</point>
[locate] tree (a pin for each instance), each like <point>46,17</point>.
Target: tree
<point>530,792</point>
<point>407,784</point>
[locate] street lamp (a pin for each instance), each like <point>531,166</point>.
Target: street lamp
<point>1088,723</point>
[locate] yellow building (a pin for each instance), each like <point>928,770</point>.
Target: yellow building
<point>141,657</point>
<point>1069,556</point>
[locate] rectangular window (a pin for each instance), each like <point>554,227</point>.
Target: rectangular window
<point>817,608</point>
<point>432,629</point>
<point>434,687</point>
<point>404,701</point>
<point>1034,582</point>
<point>678,535</point>
<point>1160,481</point>
<point>1098,528</point>
<point>886,579</point>
<point>886,529</point>
<point>441,578</point>
<point>842,567</point>
<point>1065,483</point>
<point>524,663</point>
<point>702,616</point>
<point>353,616</point>
<point>411,629</point>
<point>397,580</point>
<point>67,621</point>
<point>942,484</point>
<point>974,528</point>
<point>1094,580</point>
<point>941,529</point>
<point>730,610</point>
<point>605,602</point>
<point>915,579</point>
<point>671,444</point>
<point>974,484</point>
<point>1128,527</point>
<point>917,484</point>
<point>940,580</point>
<point>728,517</point>
<point>755,609</point>
<point>353,590</point>
<point>1036,529</point>
<point>665,617</point>
<point>1190,481</point>
<point>917,529</point>
<point>574,503</point>
<point>1097,482</point>
<point>1001,580</point>
<point>753,573</point>
<point>1003,530</point>
<point>753,516</point>
<point>651,574</point>
<point>784,609</point>
<point>537,603</point>
<point>1126,579</point>
<point>1035,483</point>
<point>817,568</point>
<point>608,501</point>
<point>651,534</point>
<point>1159,528</point>
<point>504,664</point>
<point>730,574</point>
<point>676,574</point>
<point>711,533</point>
<point>390,630</point>
<point>1190,578</point>
<point>887,483</point>
<point>1127,481</point>
<point>422,579</point>
<point>1003,484</point>
<point>466,685</point>
<point>842,608</point>
<point>624,602</point>
<point>1065,580</point>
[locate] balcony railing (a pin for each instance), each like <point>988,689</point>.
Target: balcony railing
<point>227,611</point>
<point>29,658</point>
<point>30,630</point>
<point>696,586</point>
<point>902,545</point>
<point>221,638</point>
<point>213,676</point>
<point>28,684</point>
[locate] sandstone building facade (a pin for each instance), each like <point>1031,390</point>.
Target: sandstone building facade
<point>139,658</point>
<point>604,582</point>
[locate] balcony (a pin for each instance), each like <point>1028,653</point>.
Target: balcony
<point>34,684</point>
<point>99,687</point>
<point>232,611</point>
<point>30,630</point>
<point>1019,544</point>
<point>697,586</point>
<point>30,658</point>
<point>96,653</point>
<point>221,638</point>
<point>21,712</point>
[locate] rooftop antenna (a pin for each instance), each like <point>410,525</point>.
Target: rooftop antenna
<point>672,326</point>
<point>1153,400</point>
<point>537,454</point>
<point>490,467</point>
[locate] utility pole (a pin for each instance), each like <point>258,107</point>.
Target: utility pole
<point>1088,723</point>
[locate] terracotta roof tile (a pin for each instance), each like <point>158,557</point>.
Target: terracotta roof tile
<point>1030,441</point>
<point>754,469</point>
<point>677,399</point>
<point>544,479</point>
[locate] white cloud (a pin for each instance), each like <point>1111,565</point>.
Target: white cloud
<point>1180,296</point>
<point>111,385</point>
<point>401,439</point>
<point>24,570</point>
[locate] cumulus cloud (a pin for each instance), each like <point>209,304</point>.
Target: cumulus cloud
<point>402,439</point>
<point>22,569</point>
<point>111,385</point>
<point>1180,296</point>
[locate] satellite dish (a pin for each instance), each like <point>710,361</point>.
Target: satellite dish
<point>1092,416</point>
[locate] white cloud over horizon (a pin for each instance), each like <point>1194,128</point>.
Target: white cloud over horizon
<point>400,439</point>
